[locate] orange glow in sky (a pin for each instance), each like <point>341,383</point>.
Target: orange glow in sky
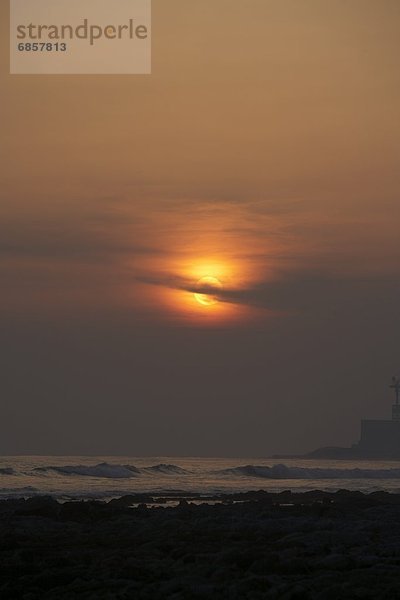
<point>189,300</point>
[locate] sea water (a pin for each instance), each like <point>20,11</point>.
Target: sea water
<point>106,477</point>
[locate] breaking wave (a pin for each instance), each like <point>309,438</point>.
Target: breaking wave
<point>106,470</point>
<point>100,470</point>
<point>165,470</point>
<point>285,472</point>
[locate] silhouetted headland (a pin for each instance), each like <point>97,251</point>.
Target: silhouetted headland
<point>379,440</point>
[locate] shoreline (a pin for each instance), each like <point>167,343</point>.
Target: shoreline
<point>313,545</point>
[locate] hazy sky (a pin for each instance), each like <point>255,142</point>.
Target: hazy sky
<point>262,151</point>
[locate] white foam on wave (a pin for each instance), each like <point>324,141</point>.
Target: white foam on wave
<point>109,471</point>
<point>281,471</point>
<point>101,470</point>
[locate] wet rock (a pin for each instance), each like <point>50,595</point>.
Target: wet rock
<point>40,506</point>
<point>248,549</point>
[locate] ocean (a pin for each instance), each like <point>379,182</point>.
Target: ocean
<point>105,477</point>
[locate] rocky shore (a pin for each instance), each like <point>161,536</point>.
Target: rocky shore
<point>258,545</point>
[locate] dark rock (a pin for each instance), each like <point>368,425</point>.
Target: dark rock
<point>249,546</point>
<point>40,506</point>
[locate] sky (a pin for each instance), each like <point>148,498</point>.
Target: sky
<point>262,152</point>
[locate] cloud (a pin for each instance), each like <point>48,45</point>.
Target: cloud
<point>66,240</point>
<point>307,292</point>
<point>287,292</point>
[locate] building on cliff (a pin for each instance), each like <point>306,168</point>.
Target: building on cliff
<point>380,438</point>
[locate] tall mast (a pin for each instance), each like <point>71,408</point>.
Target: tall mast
<point>395,385</point>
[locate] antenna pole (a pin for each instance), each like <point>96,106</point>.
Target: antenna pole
<point>395,385</point>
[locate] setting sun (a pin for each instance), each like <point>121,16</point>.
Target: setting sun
<point>204,284</point>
